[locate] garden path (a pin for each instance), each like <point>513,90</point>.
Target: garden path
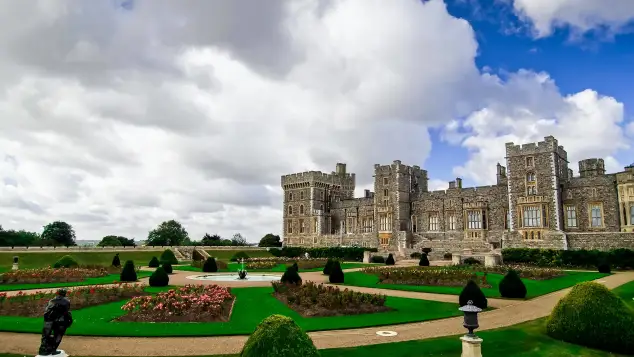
<point>513,313</point>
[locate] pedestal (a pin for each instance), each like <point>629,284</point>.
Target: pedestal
<point>61,353</point>
<point>366,257</point>
<point>455,259</point>
<point>471,346</point>
<point>15,266</point>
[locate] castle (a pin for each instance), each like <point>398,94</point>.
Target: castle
<point>536,202</point>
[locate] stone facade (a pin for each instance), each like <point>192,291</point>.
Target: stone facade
<point>536,202</point>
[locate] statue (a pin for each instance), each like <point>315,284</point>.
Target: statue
<point>57,318</point>
<point>306,255</point>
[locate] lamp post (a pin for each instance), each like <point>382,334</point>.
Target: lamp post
<point>471,344</point>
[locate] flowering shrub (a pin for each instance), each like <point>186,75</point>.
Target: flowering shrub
<point>311,299</point>
<point>49,275</point>
<point>302,263</point>
<point>260,265</point>
<point>191,303</point>
<point>524,271</point>
<point>434,276</point>
<point>32,305</point>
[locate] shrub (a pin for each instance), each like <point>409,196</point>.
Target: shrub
<point>592,316</point>
<point>159,277</point>
<point>511,286</point>
<point>339,253</point>
<point>336,274</point>
<point>604,268</point>
<point>115,261</point>
<point>472,292</point>
<point>426,250</point>
<point>415,255</point>
<point>472,261</point>
<point>389,260</point>
<point>424,261</point>
<point>279,336</point>
<point>294,266</point>
<point>618,258</point>
<point>210,265</point>
<point>50,275</point>
<point>377,259</point>
<point>328,267</point>
<point>436,276</point>
<point>291,276</point>
<point>447,256</point>
<point>168,268</point>
<point>154,263</point>
<point>128,273</point>
<point>66,262</point>
<point>239,256</point>
<point>168,257</point>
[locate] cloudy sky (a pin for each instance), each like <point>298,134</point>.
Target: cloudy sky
<point>118,114</point>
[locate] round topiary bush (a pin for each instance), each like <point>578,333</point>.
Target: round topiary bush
<point>472,292</point>
<point>154,263</point>
<point>604,268</point>
<point>210,265</point>
<point>159,277</point>
<point>291,276</point>
<point>168,257</point>
<point>239,256</point>
<point>511,286</point>
<point>115,261</point>
<point>128,273</point>
<point>336,274</point>
<point>66,262</point>
<point>390,260</point>
<point>377,259</point>
<point>328,267</point>
<point>279,336</point>
<point>592,316</point>
<point>424,261</point>
<point>168,268</point>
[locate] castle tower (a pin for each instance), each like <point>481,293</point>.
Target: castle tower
<point>591,167</point>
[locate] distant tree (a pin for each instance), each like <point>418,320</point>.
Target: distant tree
<point>109,241</point>
<point>239,240</point>
<point>167,233</point>
<point>270,240</point>
<point>211,240</point>
<point>11,238</point>
<point>127,242</point>
<point>59,233</point>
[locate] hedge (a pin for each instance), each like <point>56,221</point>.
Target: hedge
<point>617,258</point>
<point>341,253</point>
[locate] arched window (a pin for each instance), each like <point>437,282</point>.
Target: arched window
<point>290,210</point>
<point>321,207</point>
<point>290,196</point>
<point>530,177</point>
<point>301,209</point>
<point>301,195</point>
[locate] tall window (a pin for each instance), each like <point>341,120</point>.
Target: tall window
<point>452,221</point>
<point>531,189</point>
<point>301,209</point>
<point>571,216</point>
<point>507,219</point>
<point>321,207</point>
<point>414,224</point>
<point>632,215</point>
<point>474,219</point>
<point>290,196</point>
<point>385,240</point>
<point>530,161</point>
<point>384,224</point>
<point>351,224</point>
<point>433,222</point>
<point>314,225</point>
<point>532,216</point>
<point>596,215</point>
<point>530,177</point>
<point>302,226</point>
<point>289,226</point>
<point>301,195</point>
<point>386,180</point>
<point>386,192</point>
<point>290,210</point>
<point>314,240</point>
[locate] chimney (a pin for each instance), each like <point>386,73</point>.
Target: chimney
<point>452,184</point>
<point>459,182</point>
<point>366,193</point>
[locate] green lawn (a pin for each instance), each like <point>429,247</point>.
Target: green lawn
<point>227,254</point>
<point>108,279</point>
<point>30,260</point>
<point>626,292</point>
<point>251,307</point>
<point>233,267</point>
<point>535,288</point>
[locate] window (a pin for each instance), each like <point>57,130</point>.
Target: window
<point>571,216</point>
<point>314,225</point>
<point>414,224</point>
<point>596,215</point>
<point>290,196</point>
<point>321,194</point>
<point>386,180</point>
<point>351,225</point>
<point>301,209</point>
<point>531,189</point>
<point>314,240</point>
<point>301,241</point>
<point>289,227</point>
<point>594,192</point>
<point>452,222</point>
<point>384,224</point>
<point>507,219</point>
<point>302,226</point>
<point>530,177</point>
<point>386,192</point>
<point>474,219</point>
<point>368,225</point>
<point>532,216</point>
<point>321,207</point>
<point>433,222</point>
<point>343,226</point>
<point>530,161</point>
<point>385,240</point>
<point>301,195</point>
<point>290,210</point>
<point>631,215</point>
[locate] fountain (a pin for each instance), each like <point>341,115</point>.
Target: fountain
<point>242,276</point>
<point>242,273</point>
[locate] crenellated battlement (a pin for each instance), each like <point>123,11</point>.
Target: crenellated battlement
<point>549,144</point>
<point>591,167</point>
<point>335,178</point>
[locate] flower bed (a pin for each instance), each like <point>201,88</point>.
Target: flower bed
<point>433,276</point>
<point>526,272</point>
<point>261,265</point>
<point>50,275</point>
<point>310,299</point>
<point>191,303</point>
<point>302,263</point>
<point>32,305</point>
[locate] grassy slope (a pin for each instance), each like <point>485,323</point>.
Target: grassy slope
<point>534,288</point>
<point>29,260</point>
<point>252,306</point>
<point>227,254</point>
<point>626,292</point>
<point>108,279</point>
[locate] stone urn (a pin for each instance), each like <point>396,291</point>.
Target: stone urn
<point>15,263</point>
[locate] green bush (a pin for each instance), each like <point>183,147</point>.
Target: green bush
<point>472,292</point>
<point>426,250</point>
<point>279,336</point>
<point>159,277</point>
<point>604,268</point>
<point>115,261</point>
<point>511,286</point>
<point>339,253</point>
<point>66,262</point>
<point>618,258</point>
<point>328,267</point>
<point>168,268</point>
<point>336,274</point>
<point>294,266</point>
<point>377,259</point>
<point>415,255</point>
<point>592,316</point>
<point>154,263</point>
<point>291,276</point>
<point>168,257</point>
<point>390,260</point>
<point>424,261</point>
<point>210,265</point>
<point>472,261</point>
<point>128,273</point>
<point>238,256</point>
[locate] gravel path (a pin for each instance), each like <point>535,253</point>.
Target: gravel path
<point>509,313</point>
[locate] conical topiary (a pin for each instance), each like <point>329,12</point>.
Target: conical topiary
<point>279,336</point>
<point>336,274</point>
<point>604,267</point>
<point>115,261</point>
<point>328,267</point>
<point>159,277</point>
<point>512,286</point>
<point>389,260</point>
<point>168,257</point>
<point>128,273</point>
<point>424,261</point>
<point>168,268</point>
<point>295,266</point>
<point>472,292</point>
<point>154,263</point>
<point>210,265</point>
<point>291,276</point>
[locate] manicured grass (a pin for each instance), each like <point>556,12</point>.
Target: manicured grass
<point>108,279</point>
<point>626,292</point>
<point>251,307</point>
<point>227,254</point>
<point>233,267</point>
<point>30,260</point>
<point>535,288</point>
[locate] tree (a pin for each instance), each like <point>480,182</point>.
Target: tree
<point>59,233</point>
<point>211,240</point>
<point>239,240</point>
<point>12,238</point>
<point>109,241</point>
<point>167,233</point>
<point>270,240</point>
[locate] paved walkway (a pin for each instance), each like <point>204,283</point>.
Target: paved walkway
<point>509,313</point>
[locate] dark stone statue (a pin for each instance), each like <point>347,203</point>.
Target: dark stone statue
<point>57,318</point>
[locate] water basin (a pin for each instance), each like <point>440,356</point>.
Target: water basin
<point>234,277</point>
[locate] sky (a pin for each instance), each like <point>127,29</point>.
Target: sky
<point>116,115</point>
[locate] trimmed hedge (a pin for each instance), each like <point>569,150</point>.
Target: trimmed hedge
<point>604,268</point>
<point>291,276</point>
<point>279,336</point>
<point>159,277</point>
<point>328,267</point>
<point>336,275</point>
<point>511,286</point>
<point>210,265</point>
<point>390,260</point>
<point>592,316</point>
<point>168,257</point>
<point>472,292</point>
<point>66,262</point>
<point>377,259</point>
<point>424,261</point>
<point>128,273</point>
<point>617,258</point>
<point>168,268</point>
<point>154,263</point>
<point>340,253</point>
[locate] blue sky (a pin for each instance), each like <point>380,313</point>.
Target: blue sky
<point>593,62</point>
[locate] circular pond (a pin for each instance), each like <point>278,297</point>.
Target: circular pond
<point>234,277</point>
